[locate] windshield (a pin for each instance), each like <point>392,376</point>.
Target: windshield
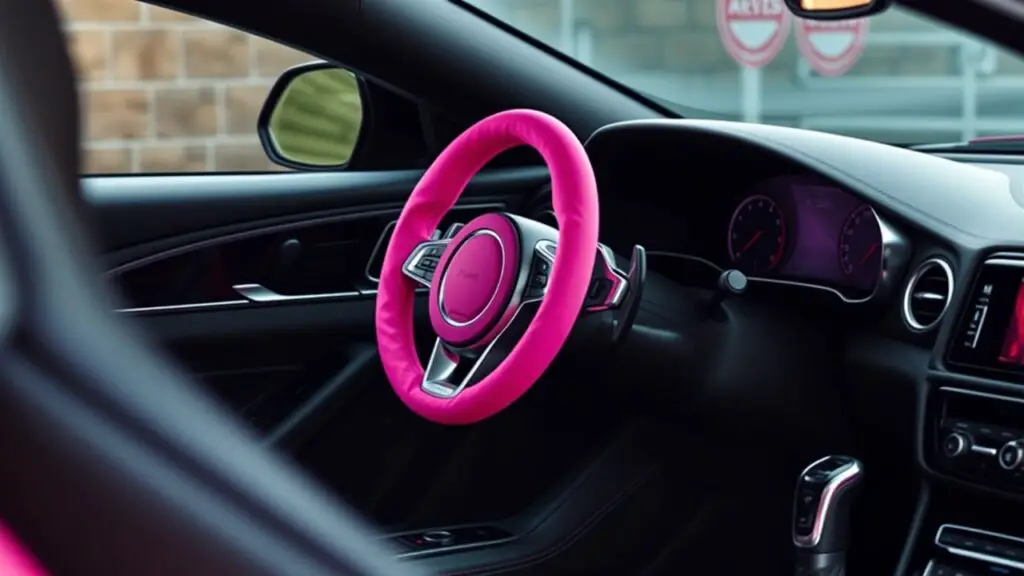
<point>896,77</point>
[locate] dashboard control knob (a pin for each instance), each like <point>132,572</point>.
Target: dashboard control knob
<point>955,444</point>
<point>1011,455</point>
<point>441,537</point>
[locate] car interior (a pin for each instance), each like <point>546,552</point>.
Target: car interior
<point>536,323</point>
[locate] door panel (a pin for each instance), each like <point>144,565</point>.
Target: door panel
<point>304,371</point>
<point>263,285</point>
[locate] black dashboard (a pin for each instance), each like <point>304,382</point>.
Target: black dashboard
<point>921,257</point>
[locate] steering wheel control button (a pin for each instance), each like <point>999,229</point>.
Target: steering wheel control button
<point>423,262</point>
<point>955,444</point>
<point>538,282</point>
<point>472,278</point>
<point>1011,455</point>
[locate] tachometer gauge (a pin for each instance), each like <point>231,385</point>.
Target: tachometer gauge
<point>860,246</point>
<point>757,235</point>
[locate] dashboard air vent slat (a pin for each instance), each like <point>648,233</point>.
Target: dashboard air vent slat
<point>928,295</point>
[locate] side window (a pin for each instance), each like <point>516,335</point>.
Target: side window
<point>165,92</point>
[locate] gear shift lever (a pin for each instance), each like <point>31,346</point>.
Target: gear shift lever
<point>821,515</point>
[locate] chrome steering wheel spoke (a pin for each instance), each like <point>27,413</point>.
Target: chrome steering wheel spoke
<point>608,284</point>
<point>451,370</point>
<point>422,262</point>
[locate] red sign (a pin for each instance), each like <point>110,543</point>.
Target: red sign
<point>753,31</point>
<point>832,47</point>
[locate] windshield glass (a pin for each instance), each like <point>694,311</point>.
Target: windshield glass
<point>896,77</point>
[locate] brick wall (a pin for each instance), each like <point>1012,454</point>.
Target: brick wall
<point>165,92</point>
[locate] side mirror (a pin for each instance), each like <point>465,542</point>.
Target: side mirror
<point>314,117</point>
<point>836,9</point>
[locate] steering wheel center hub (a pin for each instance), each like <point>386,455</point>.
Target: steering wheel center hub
<point>471,296</point>
<point>472,278</point>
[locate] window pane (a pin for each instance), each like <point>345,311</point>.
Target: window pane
<point>165,92</point>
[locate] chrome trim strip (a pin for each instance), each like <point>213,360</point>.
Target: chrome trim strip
<point>229,304</point>
<point>908,293</point>
<point>185,307</point>
<point>825,504</point>
<point>984,451</point>
<point>988,395</point>
<point>980,556</point>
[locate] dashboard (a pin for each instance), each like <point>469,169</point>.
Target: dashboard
<point>920,336</point>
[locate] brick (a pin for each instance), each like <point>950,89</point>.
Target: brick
<point>185,112</point>
<point>145,54</point>
<point>242,105</point>
<point>89,54</point>
<point>241,158</point>
<point>158,14</point>
<point>661,13</point>
<point>172,158</point>
<point>101,10</point>
<point>107,161</point>
<point>218,53</point>
<point>116,114</point>
<point>272,58</point>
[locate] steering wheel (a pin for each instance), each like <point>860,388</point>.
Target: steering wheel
<point>505,291</point>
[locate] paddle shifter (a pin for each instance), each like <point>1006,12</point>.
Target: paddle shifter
<point>821,515</point>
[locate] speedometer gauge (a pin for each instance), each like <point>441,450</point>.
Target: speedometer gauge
<point>860,247</point>
<point>757,235</point>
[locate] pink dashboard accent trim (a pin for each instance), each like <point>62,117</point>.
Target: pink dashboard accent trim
<point>15,560</point>
<point>495,290</point>
<point>574,195</point>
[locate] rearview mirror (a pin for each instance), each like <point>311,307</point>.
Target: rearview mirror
<point>313,117</point>
<point>836,9</point>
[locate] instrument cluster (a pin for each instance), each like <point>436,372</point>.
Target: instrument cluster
<point>807,230</point>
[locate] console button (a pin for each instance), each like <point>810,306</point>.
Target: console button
<point>806,509</point>
<point>955,444</point>
<point>1010,455</point>
<point>441,537</point>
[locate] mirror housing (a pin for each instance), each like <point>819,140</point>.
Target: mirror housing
<point>836,9</point>
<point>315,117</point>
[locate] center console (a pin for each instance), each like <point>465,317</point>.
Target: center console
<point>972,435</point>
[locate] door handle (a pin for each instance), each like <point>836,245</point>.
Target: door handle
<point>262,295</point>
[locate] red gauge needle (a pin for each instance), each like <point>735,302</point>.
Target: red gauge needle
<point>750,243</point>
<point>870,252</point>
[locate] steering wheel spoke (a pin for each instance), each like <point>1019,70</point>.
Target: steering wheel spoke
<point>451,370</point>
<point>608,283</point>
<point>422,262</point>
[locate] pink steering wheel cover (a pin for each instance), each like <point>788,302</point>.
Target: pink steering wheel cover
<point>574,195</point>
<point>15,559</point>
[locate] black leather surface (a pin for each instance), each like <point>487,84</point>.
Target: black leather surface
<point>584,506</point>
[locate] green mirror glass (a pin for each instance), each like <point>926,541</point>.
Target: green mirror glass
<point>317,119</point>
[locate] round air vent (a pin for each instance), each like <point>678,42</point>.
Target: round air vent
<point>928,294</point>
